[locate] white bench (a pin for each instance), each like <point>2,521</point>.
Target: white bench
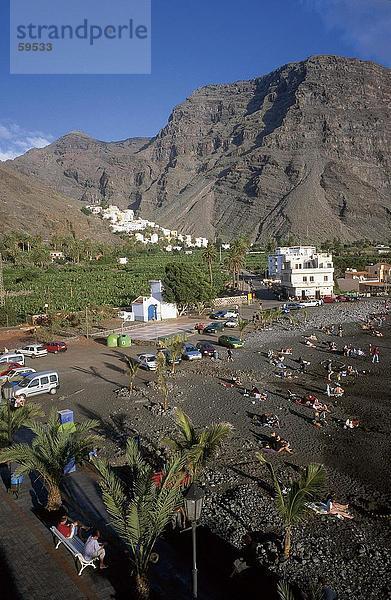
<point>75,546</point>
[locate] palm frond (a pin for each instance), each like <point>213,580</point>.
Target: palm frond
<point>285,591</point>
<point>185,425</point>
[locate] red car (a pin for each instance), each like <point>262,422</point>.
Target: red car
<point>329,299</point>
<point>7,367</point>
<point>55,347</point>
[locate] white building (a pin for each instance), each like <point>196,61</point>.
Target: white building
<point>153,307</point>
<point>122,260</point>
<point>303,272</point>
<point>201,242</point>
<point>95,210</point>
<point>139,237</point>
<point>154,238</point>
<point>56,255</point>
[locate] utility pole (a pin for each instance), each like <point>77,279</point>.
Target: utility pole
<point>2,290</point>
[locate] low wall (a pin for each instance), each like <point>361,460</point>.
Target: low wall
<point>230,301</point>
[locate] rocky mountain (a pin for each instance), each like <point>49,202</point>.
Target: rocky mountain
<point>304,150</point>
<point>32,207</point>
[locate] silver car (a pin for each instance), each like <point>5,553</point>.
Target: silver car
<point>147,361</point>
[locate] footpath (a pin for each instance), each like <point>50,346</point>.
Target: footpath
<point>32,569</point>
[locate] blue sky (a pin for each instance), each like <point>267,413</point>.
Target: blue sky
<point>193,44</point>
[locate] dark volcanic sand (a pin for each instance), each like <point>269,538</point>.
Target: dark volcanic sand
<point>353,555</point>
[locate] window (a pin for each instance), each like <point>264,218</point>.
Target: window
<point>53,378</point>
<point>34,383</point>
<point>44,380</point>
<point>311,278</point>
<point>326,278</point>
<point>305,279</point>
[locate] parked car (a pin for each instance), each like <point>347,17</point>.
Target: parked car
<point>214,327</point>
<point>16,374</point>
<point>218,314</point>
<point>309,303</point>
<point>190,352</point>
<point>329,299</point>
<point>207,349</point>
<point>54,347</point>
<point>288,306</point>
<point>12,357</point>
<point>224,314</point>
<point>168,355</point>
<point>33,351</point>
<point>342,298</point>
<point>44,382</point>
<point>5,368</point>
<point>231,323</point>
<point>147,361</point>
<point>231,314</point>
<point>230,341</point>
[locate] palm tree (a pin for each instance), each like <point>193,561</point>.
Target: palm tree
<point>197,448</point>
<point>52,449</point>
<point>11,420</point>
<point>133,368</point>
<point>209,256</point>
<point>292,506</point>
<point>175,347</point>
<point>243,324</point>
<point>139,509</point>
<point>162,383</point>
<point>285,591</point>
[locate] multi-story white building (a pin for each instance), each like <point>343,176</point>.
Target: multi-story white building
<point>303,272</point>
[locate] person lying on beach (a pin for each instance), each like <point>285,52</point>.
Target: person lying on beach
<point>280,445</point>
<point>352,371</point>
<point>303,364</point>
<point>332,346</point>
<point>337,391</point>
<point>335,508</point>
<point>309,344</point>
<point>377,333</point>
<point>351,424</point>
<point>312,402</point>
<point>269,420</point>
<point>286,351</point>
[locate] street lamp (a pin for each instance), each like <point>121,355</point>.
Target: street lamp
<point>194,498</point>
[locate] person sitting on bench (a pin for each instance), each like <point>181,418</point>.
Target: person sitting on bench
<point>66,527</point>
<point>94,549</point>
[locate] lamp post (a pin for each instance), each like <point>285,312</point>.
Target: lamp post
<point>194,498</point>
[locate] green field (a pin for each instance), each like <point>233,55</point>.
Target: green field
<point>73,287</point>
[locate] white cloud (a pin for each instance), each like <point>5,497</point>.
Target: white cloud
<point>363,24</point>
<point>14,140</point>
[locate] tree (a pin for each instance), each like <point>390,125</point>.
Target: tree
<point>175,347</point>
<point>197,448</point>
<point>11,420</point>
<point>243,324</point>
<point>133,368</point>
<point>161,370</point>
<point>186,285</point>
<point>139,509</point>
<point>51,450</point>
<point>292,506</point>
<point>209,256</point>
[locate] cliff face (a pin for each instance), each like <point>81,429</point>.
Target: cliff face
<point>32,207</point>
<point>303,150</point>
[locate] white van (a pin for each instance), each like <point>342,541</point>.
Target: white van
<point>12,357</point>
<point>44,382</point>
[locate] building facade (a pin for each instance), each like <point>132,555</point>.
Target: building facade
<point>302,271</point>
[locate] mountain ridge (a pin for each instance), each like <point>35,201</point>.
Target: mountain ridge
<point>303,150</point>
